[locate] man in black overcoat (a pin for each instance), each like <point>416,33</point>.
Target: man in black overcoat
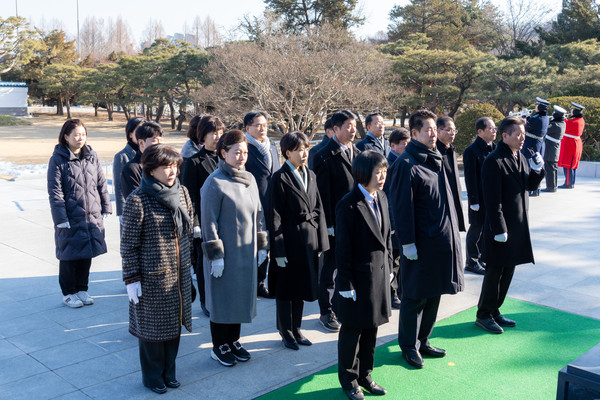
<point>507,178</point>
<point>473,158</point>
<point>316,148</point>
<point>375,139</point>
<point>427,225</point>
<point>263,161</point>
<point>333,167</point>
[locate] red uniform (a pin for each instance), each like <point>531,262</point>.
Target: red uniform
<point>571,146</point>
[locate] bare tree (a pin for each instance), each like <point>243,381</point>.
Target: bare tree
<point>520,20</point>
<point>93,40</point>
<point>154,30</point>
<point>119,37</point>
<point>205,32</point>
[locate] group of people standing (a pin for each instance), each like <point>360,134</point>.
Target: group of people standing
<point>385,214</point>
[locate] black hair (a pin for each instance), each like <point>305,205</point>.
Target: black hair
<point>68,127</point>
<point>132,124</point>
<point>249,118</point>
<point>577,113</point>
<point>507,125</point>
<point>482,123</point>
<point>441,122</point>
<point>365,164</point>
<point>339,117</point>
<point>229,139</point>
<point>159,155</point>
<point>328,124</point>
<point>416,119</point>
<point>369,118</point>
<point>148,130</point>
<point>292,141</point>
<point>192,128</point>
<point>208,124</point>
<point>399,134</point>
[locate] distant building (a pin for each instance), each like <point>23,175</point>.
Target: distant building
<point>13,98</point>
<point>187,37</point>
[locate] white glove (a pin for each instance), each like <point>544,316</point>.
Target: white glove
<point>262,256</point>
<point>281,261</point>
<point>474,207</point>
<point>134,291</point>
<point>503,237</point>
<point>536,162</point>
<point>330,231</point>
<point>104,215</point>
<point>64,225</point>
<point>349,294</point>
<point>410,251</point>
<point>197,232</point>
<point>217,267</point>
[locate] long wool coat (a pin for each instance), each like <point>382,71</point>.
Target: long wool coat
<point>297,231</point>
<point>153,255</point>
<point>232,229</point>
<point>571,147</point>
<point>363,258</point>
<point>424,214</point>
<point>506,183</point>
<point>78,195</point>
<point>473,158</point>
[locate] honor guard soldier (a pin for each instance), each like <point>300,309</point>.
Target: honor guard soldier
<point>556,130</point>
<point>571,145</point>
<point>535,130</point>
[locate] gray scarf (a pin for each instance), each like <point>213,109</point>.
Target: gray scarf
<point>168,197</point>
<point>263,147</point>
<point>237,175</point>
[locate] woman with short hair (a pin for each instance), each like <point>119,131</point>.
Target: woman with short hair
<point>192,146</point>
<point>234,241</point>
<point>79,201</point>
<point>156,253</point>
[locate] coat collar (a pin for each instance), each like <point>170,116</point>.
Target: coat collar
<point>365,209</point>
<point>515,168</point>
<point>293,183</point>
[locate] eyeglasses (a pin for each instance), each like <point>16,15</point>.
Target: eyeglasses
<point>455,131</point>
<point>260,125</point>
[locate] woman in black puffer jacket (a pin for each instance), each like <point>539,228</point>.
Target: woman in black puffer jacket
<point>79,201</point>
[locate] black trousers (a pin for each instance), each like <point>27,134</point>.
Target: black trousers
<point>73,275</point>
<point>289,318</point>
<point>570,176</point>
<point>396,286</point>
<point>474,242</point>
<point>224,333</point>
<point>356,355</point>
<point>158,362</point>
<point>496,282</point>
<point>417,318</point>
<point>261,272</point>
<point>199,269</point>
<point>327,278</point>
<point>551,174</point>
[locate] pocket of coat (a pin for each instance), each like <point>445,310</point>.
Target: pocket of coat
<point>162,271</point>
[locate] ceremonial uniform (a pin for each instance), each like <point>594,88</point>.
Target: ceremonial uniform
<point>556,130</point>
<point>571,148</point>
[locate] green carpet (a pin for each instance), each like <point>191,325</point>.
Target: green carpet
<point>522,363</point>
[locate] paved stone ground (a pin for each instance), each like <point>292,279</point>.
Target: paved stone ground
<point>49,351</point>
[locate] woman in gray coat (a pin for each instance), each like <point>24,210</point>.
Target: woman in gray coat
<point>79,201</point>
<point>156,252</point>
<point>234,241</point>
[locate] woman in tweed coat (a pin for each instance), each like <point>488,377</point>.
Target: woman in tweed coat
<point>233,240</point>
<point>156,253</point>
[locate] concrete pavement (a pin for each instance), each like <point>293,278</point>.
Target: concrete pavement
<point>49,351</point>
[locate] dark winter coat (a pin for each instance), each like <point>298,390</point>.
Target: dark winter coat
<point>451,169</point>
<point>506,183</point>
<point>194,172</point>
<point>78,195</point>
<point>364,261</point>
<point>371,143</point>
<point>334,176</point>
<point>119,162</point>
<point>131,176</point>
<point>424,214</point>
<point>315,149</point>
<point>473,158</point>
<point>258,168</point>
<point>556,130</point>
<point>153,255</point>
<point>297,231</point>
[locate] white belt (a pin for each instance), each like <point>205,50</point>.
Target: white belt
<point>531,135</point>
<point>572,136</point>
<point>550,138</point>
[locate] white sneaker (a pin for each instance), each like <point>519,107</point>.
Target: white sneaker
<point>85,298</point>
<point>72,301</point>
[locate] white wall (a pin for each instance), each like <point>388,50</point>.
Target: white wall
<point>12,97</point>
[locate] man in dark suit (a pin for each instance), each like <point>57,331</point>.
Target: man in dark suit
<point>316,148</point>
<point>507,177</point>
<point>333,167</point>
<point>263,161</point>
<point>473,158</point>
<point>426,223</point>
<point>375,139</point>
<point>398,139</point>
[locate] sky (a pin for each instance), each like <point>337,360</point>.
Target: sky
<point>173,16</point>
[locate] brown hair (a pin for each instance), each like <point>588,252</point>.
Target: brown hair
<point>68,127</point>
<point>159,155</point>
<point>208,124</point>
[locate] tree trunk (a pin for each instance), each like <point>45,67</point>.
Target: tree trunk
<point>160,110</point>
<point>109,110</point>
<point>360,128</point>
<point>59,107</point>
<point>127,113</point>
<point>403,116</point>
<point>95,109</point>
<point>172,109</point>
<point>68,108</point>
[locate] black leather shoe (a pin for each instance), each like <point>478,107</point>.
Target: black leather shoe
<point>475,268</point>
<point>429,350</point>
<point>290,344</point>
<point>301,339</point>
<point>565,186</point>
<point>489,325</point>
<point>174,384</point>
<point>549,190</point>
<point>396,302</point>
<point>264,292</point>
<point>355,394</point>
<point>160,389</point>
<point>503,321</point>
<point>413,358</point>
<point>372,387</point>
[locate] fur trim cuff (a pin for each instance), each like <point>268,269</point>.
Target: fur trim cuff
<point>262,241</point>
<point>213,250</point>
